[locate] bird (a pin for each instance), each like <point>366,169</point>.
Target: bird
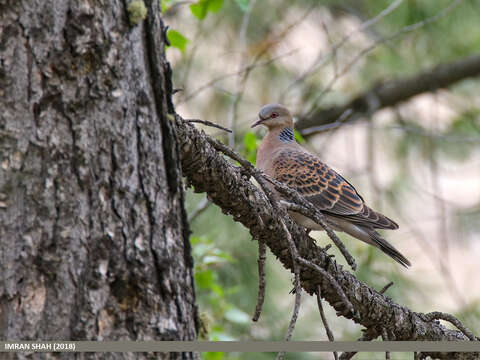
<point>282,158</point>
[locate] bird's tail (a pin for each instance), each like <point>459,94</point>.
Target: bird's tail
<point>388,249</point>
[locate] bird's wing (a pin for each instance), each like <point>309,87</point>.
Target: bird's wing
<point>325,188</point>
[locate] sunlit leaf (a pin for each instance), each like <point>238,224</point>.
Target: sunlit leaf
<point>213,355</point>
<point>215,5</point>
<point>202,7</point>
<point>298,136</point>
<point>199,10</point>
<point>177,40</point>
<point>250,141</point>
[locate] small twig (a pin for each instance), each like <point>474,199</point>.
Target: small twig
<point>385,338</point>
<point>241,81</point>
<point>319,218</point>
<point>296,283</point>
<point>368,335</point>
<point>261,179</point>
<point>306,208</point>
<point>332,281</point>
<point>437,315</point>
<point>369,48</point>
<point>208,123</point>
<point>201,207</point>
<point>262,256</point>
<point>385,288</point>
<point>324,319</point>
<point>249,67</point>
<point>321,59</point>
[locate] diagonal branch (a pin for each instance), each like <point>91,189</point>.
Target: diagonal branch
<point>390,93</point>
<point>230,188</point>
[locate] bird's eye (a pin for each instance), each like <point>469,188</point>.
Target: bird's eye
<point>274,115</point>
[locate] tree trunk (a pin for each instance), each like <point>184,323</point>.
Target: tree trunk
<point>93,233</point>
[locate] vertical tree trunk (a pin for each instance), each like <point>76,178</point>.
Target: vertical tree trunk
<point>93,233</point>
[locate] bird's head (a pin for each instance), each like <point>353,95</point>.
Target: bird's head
<point>273,116</point>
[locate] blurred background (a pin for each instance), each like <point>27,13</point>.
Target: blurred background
<point>418,162</point>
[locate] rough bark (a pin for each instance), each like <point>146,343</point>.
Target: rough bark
<point>391,93</point>
<point>228,187</point>
<point>93,232</point>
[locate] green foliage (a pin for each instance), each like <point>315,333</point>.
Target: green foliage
<point>213,356</point>
<point>165,5</point>
<point>213,296</point>
<point>202,7</point>
<point>137,12</point>
<point>177,40</point>
<point>251,143</point>
<point>298,137</point>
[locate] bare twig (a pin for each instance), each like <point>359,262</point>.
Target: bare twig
<point>262,256</point>
<point>210,172</point>
<point>385,338</point>
<point>321,59</point>
<point>324,319</point>
<point>249,67</point>
<point>261,179</point>
<point>368,335</point>
<point>369,48</point>
<point>208,123</point>
<point>297,287</point>
<point>386,287</point>
<point>346,303</point>
<point>232,114</point>
<point>435,315</point>
<point>390,93</point>
<point>319,218</point>
<point>201,207</point>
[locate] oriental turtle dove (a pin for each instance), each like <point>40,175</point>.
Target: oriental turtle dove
<point>282,158</point>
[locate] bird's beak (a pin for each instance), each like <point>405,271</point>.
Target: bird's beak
<point>256,123</point>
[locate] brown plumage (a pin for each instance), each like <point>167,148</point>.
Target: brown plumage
<point>281,157</point>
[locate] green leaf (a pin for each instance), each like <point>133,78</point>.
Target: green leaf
<point>213,355</point>
<point>204,279</point>
<point>298,137</point>
<point>177,40</point>
<point>199,10</point>
<point>251,141</point>
<point>243,4</point>
<point>215,5</point>
<point>165,5</point>
<point>237,316</point>
<point>202,7</point>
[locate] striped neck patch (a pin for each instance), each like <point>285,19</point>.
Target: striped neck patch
<point>286,135</point>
